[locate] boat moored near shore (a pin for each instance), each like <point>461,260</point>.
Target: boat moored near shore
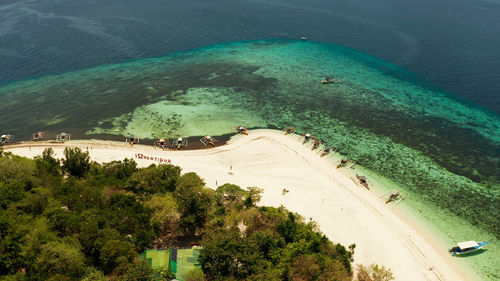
<point>467,247</point>
<point>6,139</point>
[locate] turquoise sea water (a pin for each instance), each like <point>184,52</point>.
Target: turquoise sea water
<point>443,152</point>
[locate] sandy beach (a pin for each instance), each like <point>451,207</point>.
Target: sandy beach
<point>346,212</point>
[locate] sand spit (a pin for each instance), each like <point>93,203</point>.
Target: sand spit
<point>346,212</point>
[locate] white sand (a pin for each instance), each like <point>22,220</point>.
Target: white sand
<point>345,212</point>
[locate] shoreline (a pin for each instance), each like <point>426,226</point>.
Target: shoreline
<point>427,228</point>
<point>364,217</point>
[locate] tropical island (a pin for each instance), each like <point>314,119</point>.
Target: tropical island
<point>86,210</point>
<point>64,220</point>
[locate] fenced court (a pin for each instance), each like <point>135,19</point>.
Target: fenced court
<point>158,259</point>
<point>187,259</point>
<point>177,261</point>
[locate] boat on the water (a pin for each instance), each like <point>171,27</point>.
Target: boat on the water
<point>328,80</point>
<point>467,247</point>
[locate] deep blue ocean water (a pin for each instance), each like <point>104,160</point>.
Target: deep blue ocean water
<point>453,45</point>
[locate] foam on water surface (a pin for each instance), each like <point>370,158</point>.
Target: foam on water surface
<point>442,152</point>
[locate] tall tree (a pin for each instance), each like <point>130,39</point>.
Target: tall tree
<point>47,164</point>
<point>154,179</point>
<point>76,162</point>
<point>115,252</point>
<point>195,202</point>
<point>165,214</point>
<point>59,258</point>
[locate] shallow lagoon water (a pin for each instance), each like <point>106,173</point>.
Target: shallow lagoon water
<point>443,152</point>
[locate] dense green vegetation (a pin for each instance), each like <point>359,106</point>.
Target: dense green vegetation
<point>73,219</point>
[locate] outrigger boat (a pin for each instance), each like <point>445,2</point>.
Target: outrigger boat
<point>161,143</point>
<point>307,137</point>
<point>316,144</point>
<point>289,130</point>
<point>179,142</point>
<point>206,140</point>
<point>38,136</point>
<point>328,80</point>
<point>326,151</point>
<point>63,137</point>
<point>5,139</point>
<point>343,163</point>
<point>241,130</point>
<point>363,181</point>
<point>132,140</point>
<point>466,247</point>
<point>395,196</point>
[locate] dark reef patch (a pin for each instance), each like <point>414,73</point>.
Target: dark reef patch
<point>76,103</point>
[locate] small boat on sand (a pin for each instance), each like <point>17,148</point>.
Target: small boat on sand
<point>343,163</point>
<point>5,139</point>
<point>289,130</point>
<point>326,151</point>
<point>208,140</point>
<point>467,247</point>
<point>307,137</point>
<point>178,142</point>
<point>328,80</point>
<point>316,144</point>
<point>38,136</point>
<point>240,130</point>
<point>161,143</point>
<point>395,196</point>
<point>363,181</point>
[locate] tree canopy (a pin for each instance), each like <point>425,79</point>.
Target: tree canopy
<point>73,219</point>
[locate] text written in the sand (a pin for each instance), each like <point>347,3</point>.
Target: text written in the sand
<point>152,158</point>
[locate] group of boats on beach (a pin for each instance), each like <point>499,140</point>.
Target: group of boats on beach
<point>180,142</point>
<point>396,196</point>
<point>38,136</point>
<point>163,143</point>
